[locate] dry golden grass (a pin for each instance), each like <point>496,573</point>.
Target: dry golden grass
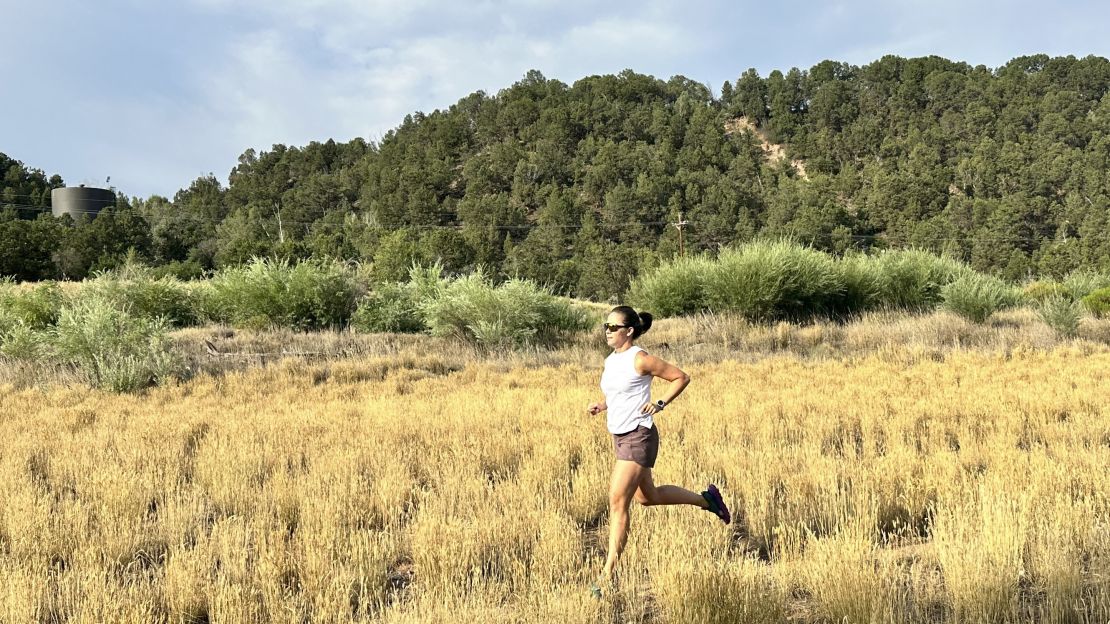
<point>405,483</point>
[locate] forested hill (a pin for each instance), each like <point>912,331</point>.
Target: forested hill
<point>577,186</point>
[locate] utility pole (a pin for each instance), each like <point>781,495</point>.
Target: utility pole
<point>681,224</point>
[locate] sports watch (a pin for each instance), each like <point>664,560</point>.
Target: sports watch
<point>660,404</point>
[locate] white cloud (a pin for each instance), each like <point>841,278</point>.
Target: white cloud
<point>270,91</point>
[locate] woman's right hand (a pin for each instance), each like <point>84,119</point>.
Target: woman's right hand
<point>595,408</point>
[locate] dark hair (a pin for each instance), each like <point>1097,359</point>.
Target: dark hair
<point>639,323</point>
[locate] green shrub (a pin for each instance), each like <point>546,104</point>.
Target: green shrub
<point>517,313</point>
<point>674,288</point>
<point>188,270</point>
<point>22,342</point>
<point>1061,314</point>
<point>1098,303</point>
<point>112,348</point>
<point>24,317</point>
<point>1082,283</point>
<point>321,294</point>
<point>863,284</point>
<point>1039,291</point>
<point>144,296</point>
<point>390,307</point>
<point>769,280</point>
<point>913,279</point>
<point>7,323</point>
<point>762,280</point>
<point>36,308</point>
<point>313,294</point>
<point>427,281</point>
<point>164,298</point>
<point>976,296</point>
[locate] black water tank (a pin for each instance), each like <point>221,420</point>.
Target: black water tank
<point>76,201</point>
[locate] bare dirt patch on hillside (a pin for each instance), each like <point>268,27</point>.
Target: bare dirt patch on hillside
<point>773,151</point>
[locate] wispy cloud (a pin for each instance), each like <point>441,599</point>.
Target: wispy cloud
<point>319,79</point>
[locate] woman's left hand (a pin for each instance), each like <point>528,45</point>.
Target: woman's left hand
<point>650,409</point>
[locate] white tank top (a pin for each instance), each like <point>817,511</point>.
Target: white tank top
<point>625,391</point>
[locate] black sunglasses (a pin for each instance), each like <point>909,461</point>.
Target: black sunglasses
<point>612,328</point>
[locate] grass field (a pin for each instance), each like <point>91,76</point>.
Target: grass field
<point>920,470</point>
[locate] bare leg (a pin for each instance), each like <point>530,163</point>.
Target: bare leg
<point>648,494</point>
<point>624,482</point>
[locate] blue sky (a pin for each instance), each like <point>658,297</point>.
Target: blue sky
<point>155,94</point>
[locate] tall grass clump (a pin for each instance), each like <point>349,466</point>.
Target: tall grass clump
<point>188,270</point>
<point>389,307</point>
<point>515,313</point>
<point>763,280</point>
<point>979,543</point>
<point>111,348</point>
<point>863,283</point>
<point>7,317</point>
<point>143,295</point>
<point>427,282</point>
<point>772,280</point>
<point>313,294</point>
<point>21,342</point>
<point>36,308</point>
<point>914,280</point>
<point>1037,292</point>
<point>1098,303</point>
<point>1061,314</point>
<point>715,592</point>
<point>24,316</point>
<point>1081,283</point>
<point>675,288</point>
<point>976,296</point>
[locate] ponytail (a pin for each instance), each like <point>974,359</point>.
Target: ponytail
<point>639,323</point>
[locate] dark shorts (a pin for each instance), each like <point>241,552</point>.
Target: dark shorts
<point>640,445</point>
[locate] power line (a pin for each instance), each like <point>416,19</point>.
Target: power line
<point>680,225</point>
<point>30,208</point>
<point>23,195</point>
<point>2,195</point>
<point>520,226</point>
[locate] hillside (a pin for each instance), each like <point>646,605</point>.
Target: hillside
<point>577,186</point>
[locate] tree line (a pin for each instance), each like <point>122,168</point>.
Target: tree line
<point>578,186</point>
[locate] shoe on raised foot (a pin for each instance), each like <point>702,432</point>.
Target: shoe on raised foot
<point>717,504</point>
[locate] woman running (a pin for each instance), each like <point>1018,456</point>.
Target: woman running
<point>626,383</point>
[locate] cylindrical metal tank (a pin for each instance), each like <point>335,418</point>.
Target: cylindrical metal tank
<point>77,201</point>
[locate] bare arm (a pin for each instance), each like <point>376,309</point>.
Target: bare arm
<point>647,364</point>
